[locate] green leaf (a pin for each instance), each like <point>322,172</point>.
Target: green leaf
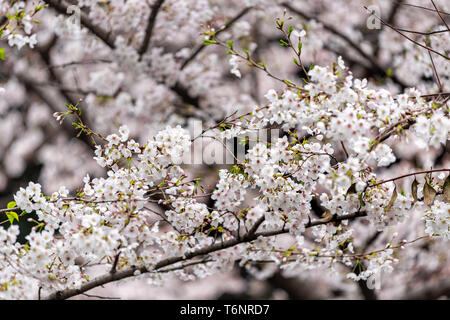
<point>284,43</point>
<point>280,23</point>
<point>2,54</point>
<point>361,201</point>
<point>290,29</point>
<point>11,205</point>
<point>208,42</point>
<point>428,194</point>
<point>11,216</point>
<point>300,45</point>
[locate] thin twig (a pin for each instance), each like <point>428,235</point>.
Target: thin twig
<point>436,75</point>
<point>405,36</point>
<point>225,27</point>
<point>345,150</point>
<point>75,63</point>
<point>424,8</point>
<point>408,175</point>
<point>349,41</point>
<point>440,16</point>
<point>422,33</point>
<point>100,297</point>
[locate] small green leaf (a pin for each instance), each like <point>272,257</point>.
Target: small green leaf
<point>209,42</point>
<point>300,45</point>
<point>284,43</point>
<point>11,216</point>
<point>11,205</point>
<point>2,54</point>
<point>280,23</point>
<point>291,28</point>
<point>361,201</point>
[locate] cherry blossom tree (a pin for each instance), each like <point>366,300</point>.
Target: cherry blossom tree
<point>173,139</point>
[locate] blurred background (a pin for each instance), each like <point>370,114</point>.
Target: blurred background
<point>95,64</point>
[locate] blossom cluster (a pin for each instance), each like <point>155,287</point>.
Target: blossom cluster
<point>295,203</point>
<point>18,28</point>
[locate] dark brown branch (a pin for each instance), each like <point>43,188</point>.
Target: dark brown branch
<point>183,93</point>
<point>408,175</point>
<point>435,95</point>
<point>3,21</point>
<point>109,40</point>
<point>296,289</point>
<point>99,297</point>
<point>344,149</point>
<point>255,227</point>
<point>78,63</point>
<point>116,260</point>
<point>349,41</point>
<point>60,295</point>
<point>367,293</point>
<point>394,11</point>
<point>105,36</point>
<point>151,23</point>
